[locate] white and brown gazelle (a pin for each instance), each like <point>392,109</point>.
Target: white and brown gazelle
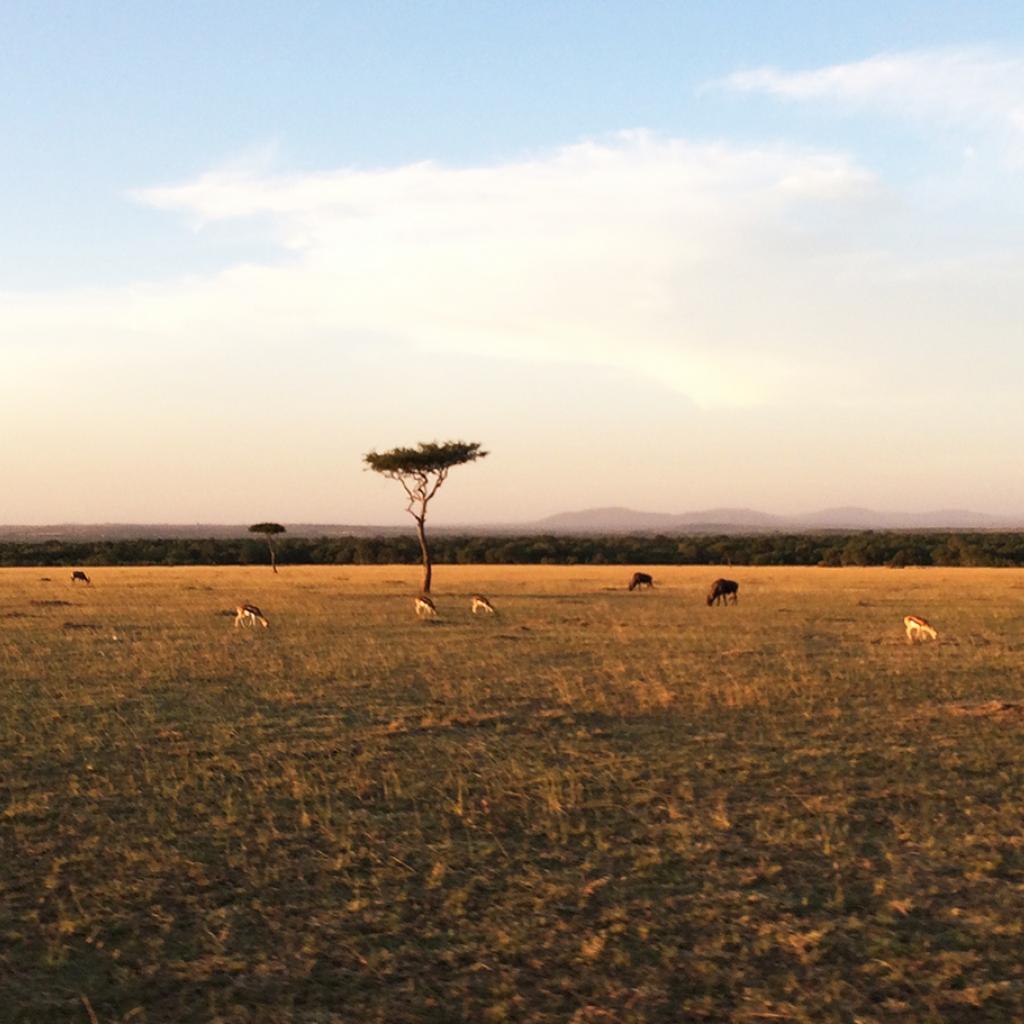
<point>479,603</point>
<point>249,615</point>
<point>424,605</point>
<point>918,629</point>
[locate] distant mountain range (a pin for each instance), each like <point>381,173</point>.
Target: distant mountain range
<point>744,520</point>
<point>594,520</point>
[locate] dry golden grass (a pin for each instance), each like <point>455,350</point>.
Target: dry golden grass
<point>594,806</point>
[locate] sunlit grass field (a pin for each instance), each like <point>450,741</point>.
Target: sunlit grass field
<point>595,807</point>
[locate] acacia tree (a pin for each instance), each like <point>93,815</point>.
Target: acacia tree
<point>421,471</point>
<point>269,531</point>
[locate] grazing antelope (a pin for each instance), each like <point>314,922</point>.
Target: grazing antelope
<point>481,604</point>
<point>641,579</point>
<point>424,605</point>
<point>722,590</point>
<point>918,629</point>
<point>80,577</point>
<point>249,615</point>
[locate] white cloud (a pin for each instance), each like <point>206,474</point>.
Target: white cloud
<point>661,258</point>
<point>976,88</point>
<point>781,289</point>
<point>625,254</point>
<point>733,275</point>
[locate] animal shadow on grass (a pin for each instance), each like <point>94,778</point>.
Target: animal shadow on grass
<point>1001,709</point>
<point>902,643</point>
<point>1008,713</point>
<point>514,636</point>
<point>51,604</point>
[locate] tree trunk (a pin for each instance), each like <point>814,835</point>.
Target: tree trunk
<point>273,554</point>
<point>422,535</point>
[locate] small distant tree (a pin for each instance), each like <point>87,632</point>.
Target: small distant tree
<point>269,532</point>
<point>421,471</point>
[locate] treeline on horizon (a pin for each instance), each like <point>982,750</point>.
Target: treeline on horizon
<point>868,548</point>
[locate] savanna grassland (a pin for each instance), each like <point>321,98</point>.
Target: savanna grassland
<point>596,807</point>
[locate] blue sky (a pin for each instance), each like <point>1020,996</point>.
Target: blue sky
<point>602,232</point>
<point>102,98</point>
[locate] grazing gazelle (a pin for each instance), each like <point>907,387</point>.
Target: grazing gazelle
<point>249,615</point>
<point>80,577</point>
<point>424,605</point>
<point>918,629</point>
<point>481,604</point>
<point>641,579</point>
<point>722,590</point>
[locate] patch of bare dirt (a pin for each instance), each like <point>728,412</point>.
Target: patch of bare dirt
<point>431,724</point>
<point>987,709</point>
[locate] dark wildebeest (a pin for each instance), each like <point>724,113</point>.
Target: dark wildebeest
<point>641,579</point>
<point>79,576</point>
<point>721,590</point>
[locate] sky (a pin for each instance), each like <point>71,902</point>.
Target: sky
<point>672,256</point>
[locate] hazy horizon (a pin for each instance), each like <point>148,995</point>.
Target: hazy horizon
<point>760,255</point>
<point>400,520</point>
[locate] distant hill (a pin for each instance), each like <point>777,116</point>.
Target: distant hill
<point>610,520</point>
<point>738,520</point>
<point>627,520</point>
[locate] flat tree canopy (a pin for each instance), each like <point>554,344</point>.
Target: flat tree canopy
<point>269,528</point>
<point>424,460</point>
<point>269,531</point>
<point>421,471</point>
